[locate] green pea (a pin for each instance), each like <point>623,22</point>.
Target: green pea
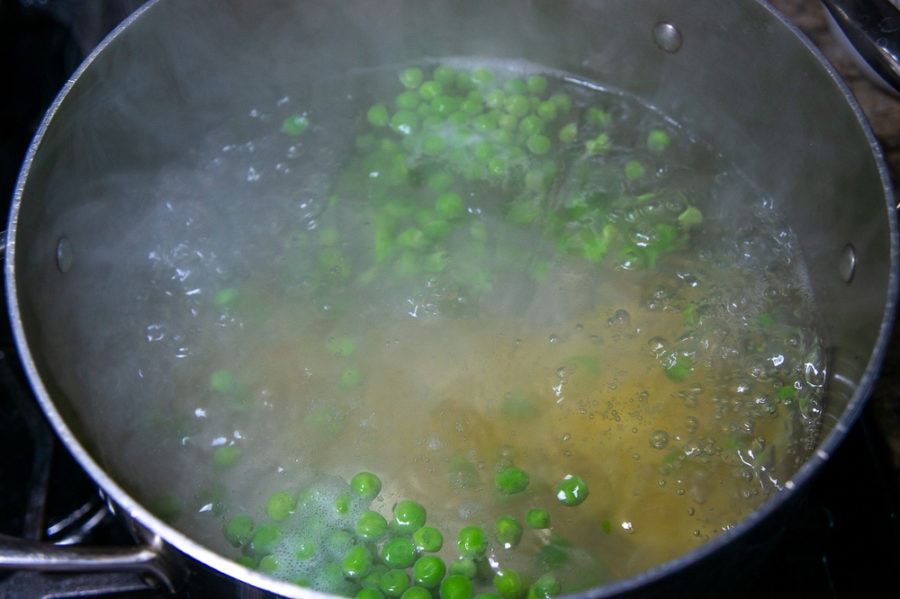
<point>472,106</point>
<point>472,541</point>
<point>226,297</point>
<point>304,549</point>
<point>464,566</point>
<point>508,531</point>
<point>373,579</point>
<point>572,490</point>
<point>598,145</point>
<point>537,84</point>
<point>267,564</point>
<point>517,105</point>
<point>598,117</point>
<point>405,122</point>
<point>394,582</point>
<point>428,538</point>
<point>338,543</point>
<point>547,111</point>
<point>509,583</point>
<point>691,217</point>
<point>342,504</point>
<point>545,587</point>
<point>265,538</point>
<point>221,381</point>
<point>495,99</point>
<point>295,125</point>
<point>658,140</point>
<point>226,455</point>
<point>511,480</point>
<point>342,346</point>
<point>450,205</point>
<point>482,77</point>
<point>537,518</point>
<point>431,90</point>
<point>456,587</point>
<point>369,593</point>
<point>378,115</point>
<point>531,125</point>
<point>515,85</point>
<point>412,237</point>
<point>606,526</point>
<point>351,378</point>
<point>634,170</point>
<point>357,562</point>
<point>409,516</point>
<point>280,505</point>
<point>445,75</point>
<point>677,366</point>
<point>440,181</point>
<point>498,167</point>
<point>399,552</point>
<point>408,100</point>
<point>487,596</point>
<point>447,105</point>
<point>416,593</point>
<point>411,77</point>
<point>563,102</point>
<point>238,528</point>
<point>568,132</point>
<point>371,526</point>
<point>428,571</point>
<point>539,144</point>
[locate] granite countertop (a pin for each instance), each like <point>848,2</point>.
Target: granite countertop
<point>882,108</point>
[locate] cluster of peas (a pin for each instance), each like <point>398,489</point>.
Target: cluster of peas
<point>329,538</point>
<point>449,174</point>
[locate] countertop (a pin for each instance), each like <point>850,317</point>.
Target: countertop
<point>882,109</point>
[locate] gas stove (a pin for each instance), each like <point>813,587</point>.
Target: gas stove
<point>844,542</point>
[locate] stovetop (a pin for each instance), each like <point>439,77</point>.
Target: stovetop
<point>845,542</point>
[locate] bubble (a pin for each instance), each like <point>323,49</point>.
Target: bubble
<point>656,345</point>
<point>621,319</point>
<point>659,439</point>
<point>692,423</point>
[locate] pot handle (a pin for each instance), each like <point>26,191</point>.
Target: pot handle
<point>873,29</point>
<point>145,560</point>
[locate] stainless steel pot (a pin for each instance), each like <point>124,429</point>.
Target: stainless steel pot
<point>735,73</point>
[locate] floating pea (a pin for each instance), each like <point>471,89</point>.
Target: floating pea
<point>510,584</point>
<point>472,541</point>
<point>537,518</point>
<point>572,490</point>
<point>280,505</point>
<point>508,531</point>
<point>511,480</point>
<point>409,516</point>
<point>428,539</point>
<point>428,571</point>
<point>456,587</point>
<point>238,528</point>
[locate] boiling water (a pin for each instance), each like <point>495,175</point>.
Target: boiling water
<point>684,387</point>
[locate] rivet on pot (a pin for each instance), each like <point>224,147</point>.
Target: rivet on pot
<point>847,264</point>
<point>667,37</point>
<point>64,255</point>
